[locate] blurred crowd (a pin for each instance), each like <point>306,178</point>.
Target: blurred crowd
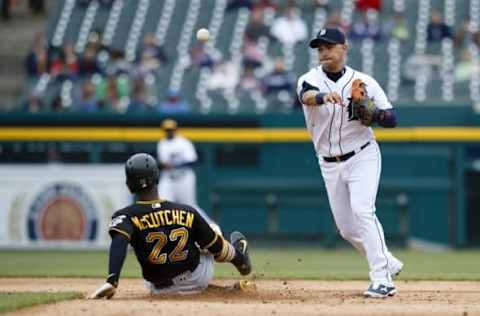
<point>36,7</point>
<point>104,80</point>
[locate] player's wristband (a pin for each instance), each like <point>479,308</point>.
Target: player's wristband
<point>386,118</point>
<point>319,98</point>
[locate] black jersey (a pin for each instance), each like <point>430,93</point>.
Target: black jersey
<point>164,236</point>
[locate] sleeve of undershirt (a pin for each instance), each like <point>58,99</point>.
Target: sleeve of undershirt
<point>302,87</point>
<point>117,254</point>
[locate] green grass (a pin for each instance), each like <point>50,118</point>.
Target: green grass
<point>291,262</point>
<point>14,301</point>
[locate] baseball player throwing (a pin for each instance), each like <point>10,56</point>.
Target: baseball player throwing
<point>340,104</point>
<point>174,245</point>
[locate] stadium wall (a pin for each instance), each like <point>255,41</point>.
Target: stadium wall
<point>260,174</point>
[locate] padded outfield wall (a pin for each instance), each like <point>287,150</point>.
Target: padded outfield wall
<point>260,174</point>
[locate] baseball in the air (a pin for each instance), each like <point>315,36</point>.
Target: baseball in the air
<point>203,35</point>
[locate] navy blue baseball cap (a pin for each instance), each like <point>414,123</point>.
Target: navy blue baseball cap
<point>330,35</point>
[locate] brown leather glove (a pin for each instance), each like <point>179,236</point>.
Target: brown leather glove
<point>359,91</point>
<point>363,107</point>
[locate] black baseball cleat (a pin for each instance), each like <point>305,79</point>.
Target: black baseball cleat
<point>378,290</point>
<point>240,243</point>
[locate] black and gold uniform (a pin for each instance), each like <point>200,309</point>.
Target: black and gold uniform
<point>167,238</point>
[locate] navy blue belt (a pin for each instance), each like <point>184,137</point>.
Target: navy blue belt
<point>346,156</point>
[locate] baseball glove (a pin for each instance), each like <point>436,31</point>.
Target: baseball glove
<point>362,106</point>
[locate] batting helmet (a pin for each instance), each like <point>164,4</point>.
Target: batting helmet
<point>141,171</point>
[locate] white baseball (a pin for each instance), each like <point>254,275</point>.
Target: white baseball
<point>203,35</point>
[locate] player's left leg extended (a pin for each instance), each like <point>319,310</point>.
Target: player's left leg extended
<point>363,179</point>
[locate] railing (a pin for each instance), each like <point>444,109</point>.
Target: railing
<point>270,196</point>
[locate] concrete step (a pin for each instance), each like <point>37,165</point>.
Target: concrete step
<point>12,64</point>
<point>19,35</point>
<point>11,90</point>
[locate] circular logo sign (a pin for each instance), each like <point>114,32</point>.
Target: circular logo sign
<point>62,211</point>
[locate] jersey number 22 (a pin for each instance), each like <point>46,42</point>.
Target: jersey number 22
<point>177,254</point>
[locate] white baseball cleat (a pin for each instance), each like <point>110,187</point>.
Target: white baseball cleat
<point>378,290</point>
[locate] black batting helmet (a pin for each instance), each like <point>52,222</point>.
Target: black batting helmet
<point>141,171</point>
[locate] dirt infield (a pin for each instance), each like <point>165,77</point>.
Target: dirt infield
<point>273,297</point>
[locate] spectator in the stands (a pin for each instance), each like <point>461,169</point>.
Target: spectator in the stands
<point>335,20</point>
<point>37,59</point>
<point>102,52</point>
<point>123,88</point>
<point>465,33</point>
<point>71,61</point>
<point>253,56</point>
<point>138,102</point>
<point>109,95</point>
<point>224,76</point>
<point>94,40</point>
<point>150,57</point>
<point>367,27</point>
<point>199,56</point>
<point>365,5</point>
<point>174,103</point>
<point>34,103</point>
<point>397,27</point>
<point>437,29</point>
<point>88,64</point>
<point>248,81</point>
<point>279,79</point>
<point>256,28</point>
<point>88,102</point>
<point>57,105</point>
<point>57,68</point>
<point>289,28</point>
<point>151,49</point>
<point>118,64</point>
<point>466,68</point>
<point>147,64</point>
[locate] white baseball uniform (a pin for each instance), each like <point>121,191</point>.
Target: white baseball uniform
<point>177,184</point>
<point>351,184</point>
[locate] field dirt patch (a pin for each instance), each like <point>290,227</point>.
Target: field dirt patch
<point>273,297</point>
